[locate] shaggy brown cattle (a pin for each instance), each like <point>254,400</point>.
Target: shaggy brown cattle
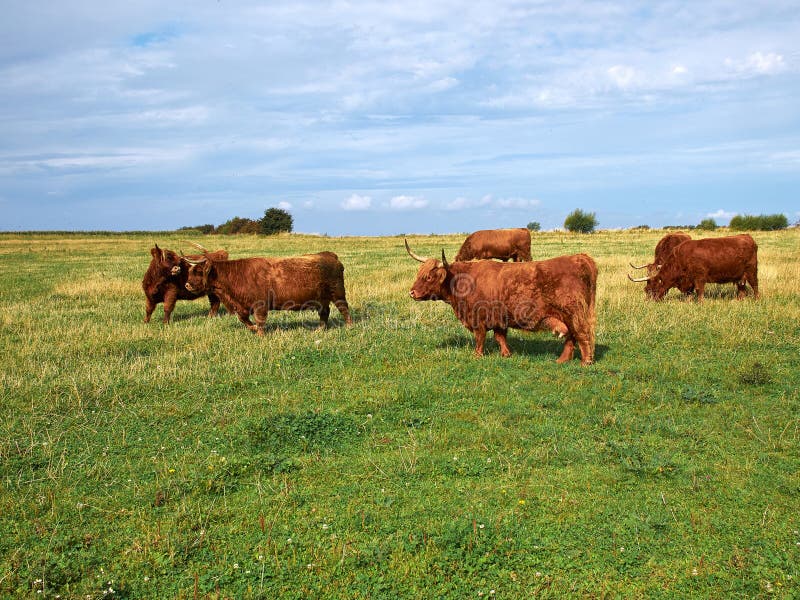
<point>505,244</point>
<point>257,285</point>
<point>165,281</point>
<point>694,263</point>
<point>556,294</point>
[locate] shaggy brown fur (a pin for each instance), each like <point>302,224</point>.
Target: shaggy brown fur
<point>257,285</point>
<point>165,281</point>
<point>505,244</point>
<point>692,264</point>
<point>556,294</point>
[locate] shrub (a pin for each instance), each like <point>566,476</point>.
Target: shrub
<point>707,224</point>
<point>534,226</point>
<point>759,223</point>
<point>275,220</point>
<point>238,225</point>
<point>580,222</point>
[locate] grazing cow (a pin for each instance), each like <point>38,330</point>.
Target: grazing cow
<point>165,281</point>
<point>694,263</point>
<point>505,244</point>
<point>556,294</point>
<point>257,285</point>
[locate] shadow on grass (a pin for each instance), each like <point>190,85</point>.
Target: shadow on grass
<point>274,323</point>
<point>533,345</point>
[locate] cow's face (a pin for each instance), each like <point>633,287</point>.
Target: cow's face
<point>197,277</point>
<point>167,261</point>
<point>430,281</point>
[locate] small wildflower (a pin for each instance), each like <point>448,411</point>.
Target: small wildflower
<point>146,578</point>
<point>481,526</point>
<point>488,460</point>
<point>260,557</point>
<point>324,525</point>
<point>521,501</point>
<point>491,592</point>
<point>622,548</point>
<point>538,574</point>
<point>694,571</point>
<point>288,540</point>
<point>172,470</point>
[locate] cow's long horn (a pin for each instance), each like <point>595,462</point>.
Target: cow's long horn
<point>198,246</point>
<point>638,279</point>
<point>633,266</point>
<point>412,255</point>
<point>193,262</point>
<point>444,260</point>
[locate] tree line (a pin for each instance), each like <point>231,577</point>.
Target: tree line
<point>275,220</point>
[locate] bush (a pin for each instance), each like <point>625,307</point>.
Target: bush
<point>534,226</point>
<point>707,224</point>
<point>580,222</point>
<point>759,223</point>
<point>275,220</point>
<point>238,225</point>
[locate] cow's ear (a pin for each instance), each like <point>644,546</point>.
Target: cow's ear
<point>155,252</point>
<point>441,275</point>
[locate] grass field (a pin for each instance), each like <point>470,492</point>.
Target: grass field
<point>196,460</point>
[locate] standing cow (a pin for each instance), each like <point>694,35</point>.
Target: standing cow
<point>165,281</point>
<point>257,285</point>
<point>556,294</point>
<point>505,244</point>
<point>694,263</point>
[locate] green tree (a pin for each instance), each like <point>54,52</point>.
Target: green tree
<point>707,224</point>
<point>238,225</point>
<point>580,222</point>
<point>535,226</point>
<point>276,220</point>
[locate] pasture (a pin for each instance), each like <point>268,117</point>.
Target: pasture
<point>196,460</point>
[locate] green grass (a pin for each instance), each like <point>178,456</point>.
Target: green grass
<point>196,460</point>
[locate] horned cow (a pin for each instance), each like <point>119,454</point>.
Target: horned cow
<point>165,281</point>
<point>254,286</point>
<point>556,294</point>
<point>694,263</point>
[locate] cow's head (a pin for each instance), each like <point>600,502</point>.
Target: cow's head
<point>198,275</point>
<point>166,261</point>
<point>430,282</point>
<point>659,280</point>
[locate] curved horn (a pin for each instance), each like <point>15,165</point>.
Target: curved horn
<point>198,246</point>
<point>444,260</point>
<point>638,279</point>
<point>633,266</point>
<point>193,262</point>
<point>412,255</point>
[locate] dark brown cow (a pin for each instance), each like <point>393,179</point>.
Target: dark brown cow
<point>694,263</point>
<point>505,244</point>
<point>257,285</point>
<point>165,281</point>
<point>556,294</point>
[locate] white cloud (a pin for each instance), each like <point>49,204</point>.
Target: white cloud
<point>284,205</point>
<point>308,204</point>
<point>722,214</point>
<point>407,203</point>
<point>757,63</point>
<point>356,202</point>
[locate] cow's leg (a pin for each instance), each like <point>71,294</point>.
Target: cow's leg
<point>741,290</point>
<point>500,337</point>
<point>480,339</point>
<point>340,302</point>
<point>170,298</point>
<point>149,307</point>
<point>214,302</point>
<point>260,315</point>
<point>752,279</point>
<point>587,351</point>
<point>324,312</point>
<point>700,288</point>
<point>569,350</point>
<point>244,317</point>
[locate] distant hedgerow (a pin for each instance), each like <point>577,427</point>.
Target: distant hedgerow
<point>759,223</point>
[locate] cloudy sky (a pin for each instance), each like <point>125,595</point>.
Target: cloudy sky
<point>378,117</point>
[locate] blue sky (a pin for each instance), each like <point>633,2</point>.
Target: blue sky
<point>382,118</point>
